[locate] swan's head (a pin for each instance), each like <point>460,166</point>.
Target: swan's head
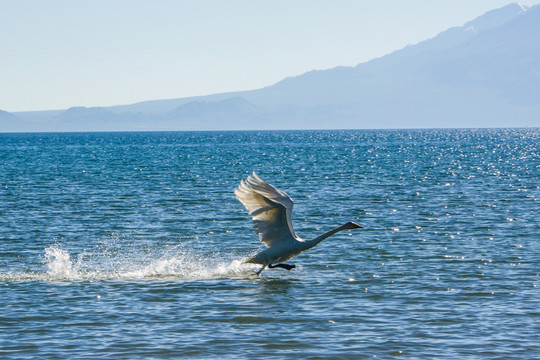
<point>352,225</point>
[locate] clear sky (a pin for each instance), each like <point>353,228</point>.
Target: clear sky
<point>56,54</point>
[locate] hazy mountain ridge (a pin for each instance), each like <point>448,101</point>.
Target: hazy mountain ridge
<point>485,73</point>
<point>7,115</point>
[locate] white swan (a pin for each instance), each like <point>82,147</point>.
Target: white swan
<point>271,210</point>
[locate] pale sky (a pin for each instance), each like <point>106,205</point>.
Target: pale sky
<point>56,54</point>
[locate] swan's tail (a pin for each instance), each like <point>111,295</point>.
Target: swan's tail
<point>252,260</point>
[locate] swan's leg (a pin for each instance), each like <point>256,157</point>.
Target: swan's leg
<point>284,266</point>
<point>287,266</point>
<point>260,271</point>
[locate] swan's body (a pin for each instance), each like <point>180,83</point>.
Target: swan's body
<point>271,211</point>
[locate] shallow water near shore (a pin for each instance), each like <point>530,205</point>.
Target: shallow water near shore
<point>131,245</point>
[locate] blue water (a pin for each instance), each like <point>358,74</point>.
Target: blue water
<point>130,246</point>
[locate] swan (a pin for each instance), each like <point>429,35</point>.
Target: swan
<point>271,210</point>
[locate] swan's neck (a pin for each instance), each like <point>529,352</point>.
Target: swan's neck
<point>311,243</point>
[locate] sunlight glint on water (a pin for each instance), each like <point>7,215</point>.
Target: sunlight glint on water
<point>130,245</point>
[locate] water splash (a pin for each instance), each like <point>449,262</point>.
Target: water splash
<point>59,265</point>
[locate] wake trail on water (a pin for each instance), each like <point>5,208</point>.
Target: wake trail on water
<point>59,265</point>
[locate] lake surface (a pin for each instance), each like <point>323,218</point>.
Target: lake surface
<point>130,246</point>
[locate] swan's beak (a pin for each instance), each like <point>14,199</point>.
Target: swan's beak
<point>355,226</point>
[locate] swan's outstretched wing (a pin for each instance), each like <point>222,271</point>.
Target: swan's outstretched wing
<point>270,209</point>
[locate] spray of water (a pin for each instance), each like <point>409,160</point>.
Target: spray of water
<point>59,264</point>
<point>175,263</point>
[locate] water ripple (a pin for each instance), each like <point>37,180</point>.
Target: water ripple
<point>130,245</point>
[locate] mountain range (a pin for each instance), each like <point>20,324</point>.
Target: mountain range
<point>485,73</point>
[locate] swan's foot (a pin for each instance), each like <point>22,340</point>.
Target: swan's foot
<point>260,271</point>
<point>284,266</point>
